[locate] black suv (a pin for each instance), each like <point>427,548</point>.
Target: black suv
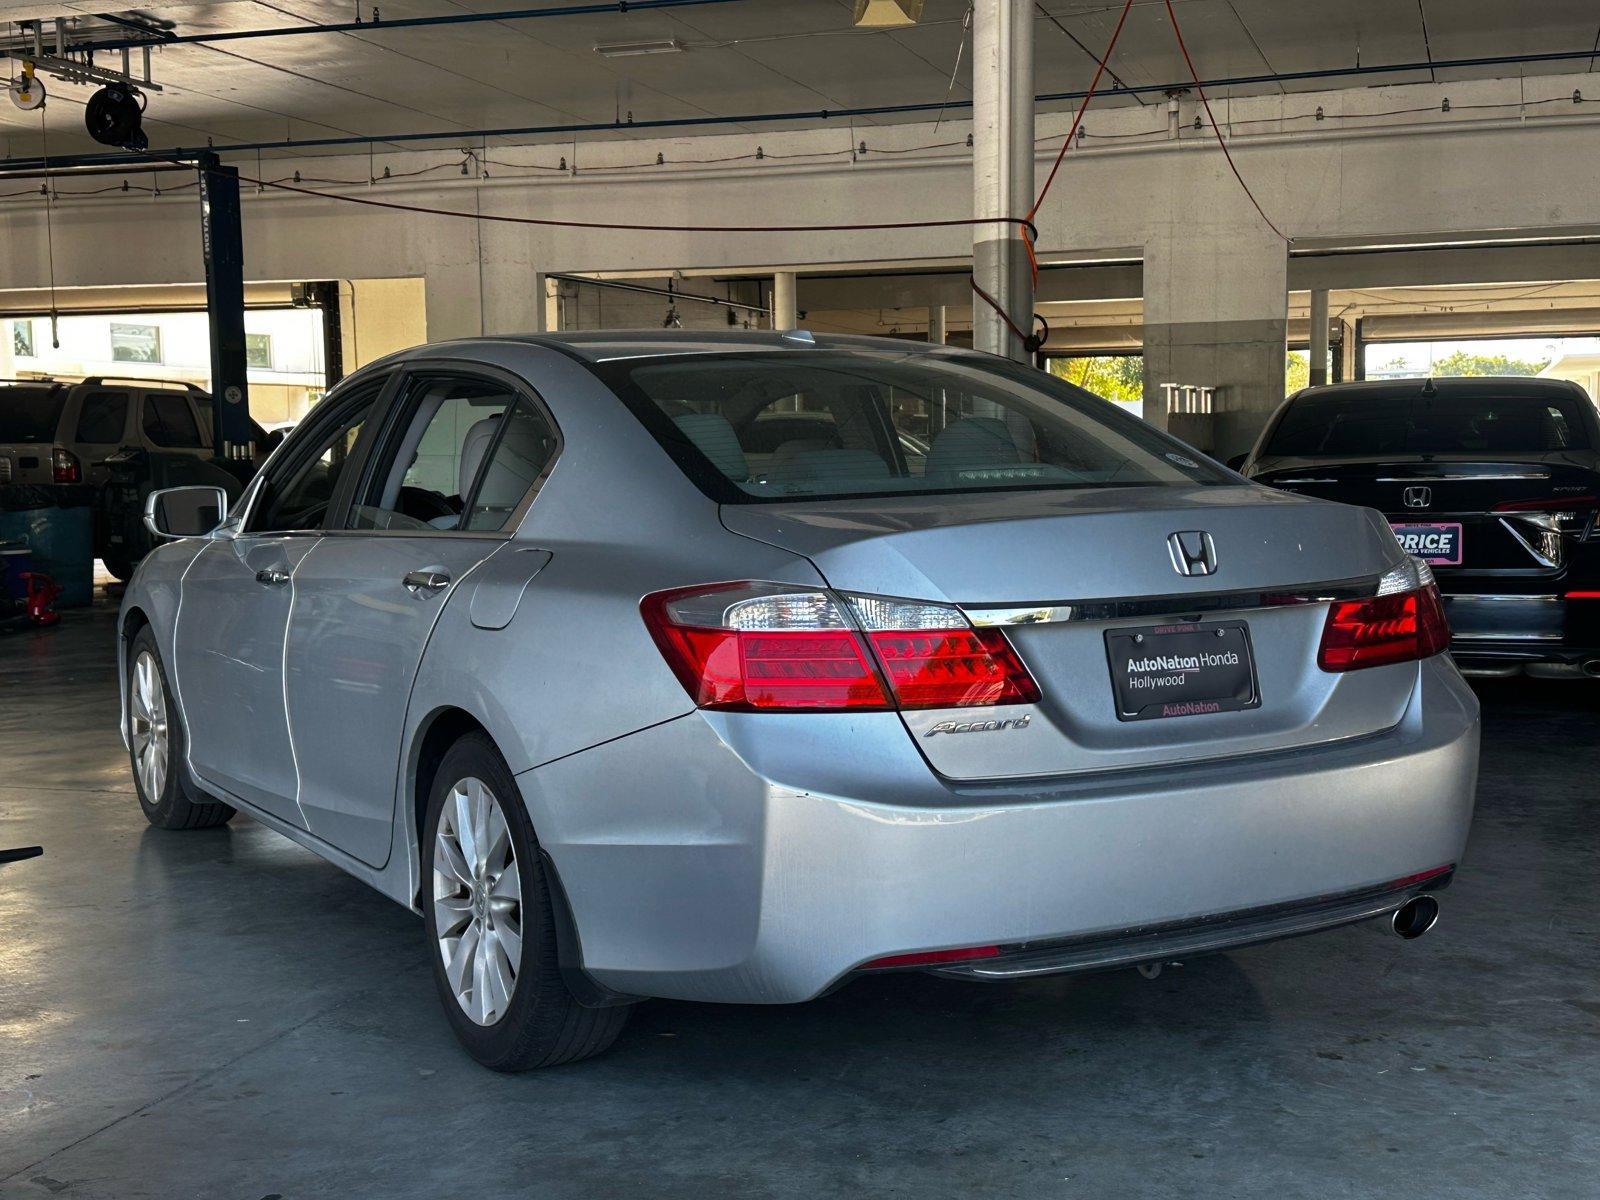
<point>1494,482</point>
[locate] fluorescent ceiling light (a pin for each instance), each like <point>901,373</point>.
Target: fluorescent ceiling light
<point>887,14</point>
<point>630,49</point>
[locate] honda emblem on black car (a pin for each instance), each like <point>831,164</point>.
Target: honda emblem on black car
<point>1192,553</point>
<point>1417,497</point>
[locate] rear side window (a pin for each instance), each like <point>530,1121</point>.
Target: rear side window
<point>827,424</point>
<point>29,414</point>
<point>169,421</point>
<point>1351,426</point>
<point>102,418</point>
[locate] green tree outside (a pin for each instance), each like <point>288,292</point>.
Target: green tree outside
<point>1113,376</point>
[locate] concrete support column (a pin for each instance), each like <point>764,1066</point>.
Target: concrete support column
<point>1216,314</point>
<point>1319,337</point>
<point>937,326</point>
<point>785,306</point>
<point>1002,169</point>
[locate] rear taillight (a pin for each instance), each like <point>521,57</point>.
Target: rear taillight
<point>759,646</point>
<point>1404,622</point>
<point>64,467</point>
<point>1543,523</point>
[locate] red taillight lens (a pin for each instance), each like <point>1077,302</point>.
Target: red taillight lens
<point>1548,504</point>
<point>931,958</point>
<point>749,646</point>
<point>953,668</point>
<point>64,467</point>
<point>755,646</point>
<point>1378,630</point>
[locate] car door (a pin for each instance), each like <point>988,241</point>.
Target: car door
<point>449,479</point>
<point>99,429</point>
<point>234,611</point>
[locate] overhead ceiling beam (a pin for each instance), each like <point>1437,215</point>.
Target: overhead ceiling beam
<point>183,154</point>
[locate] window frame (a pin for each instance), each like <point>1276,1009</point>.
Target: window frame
<point>399,413</point>
<point>307,441</point>
<point>160,358</point>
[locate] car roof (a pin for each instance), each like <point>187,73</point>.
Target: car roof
<point>1464,386</point>
<point>609,344</point>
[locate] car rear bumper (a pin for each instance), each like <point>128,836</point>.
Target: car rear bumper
<point>1494,634</point>
<point>704,863</point>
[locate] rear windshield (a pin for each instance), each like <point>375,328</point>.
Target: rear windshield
<point>29,414</point>
<point>1349,426</point>
<point>829,424</point>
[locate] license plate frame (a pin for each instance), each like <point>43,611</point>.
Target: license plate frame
<point>1165,671</point>
<point>1413,538</point>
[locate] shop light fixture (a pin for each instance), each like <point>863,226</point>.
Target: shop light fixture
<point>634,49</point>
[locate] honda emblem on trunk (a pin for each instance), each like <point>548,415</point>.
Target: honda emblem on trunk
<point>1417,497</point>
<point>1192,553</point>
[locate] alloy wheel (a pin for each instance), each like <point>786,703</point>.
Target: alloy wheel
<point>147,720</point>
<point>477,901</point>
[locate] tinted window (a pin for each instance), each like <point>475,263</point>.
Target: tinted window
<point>29,414</point>
<point>825,424</point>
<point>521,454</point>
<point>300,489</point>
<point>103,417</point>
<point>169,421</point>
<point>468,452</point>
<point>1349,426</point>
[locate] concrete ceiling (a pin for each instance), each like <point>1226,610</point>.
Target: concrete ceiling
<point>741,57</point>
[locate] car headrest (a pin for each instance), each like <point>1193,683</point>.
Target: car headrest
<point>480,435</point>
<point>713,435</point>
<point>970,444</point>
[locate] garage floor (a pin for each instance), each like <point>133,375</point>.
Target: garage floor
<point>222,1015</point>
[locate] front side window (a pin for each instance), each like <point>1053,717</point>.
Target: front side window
<point>464,457</point>
<point>839,423</point>
<point>312,463</point>
<point>169,421</point>
<point>103,418</point>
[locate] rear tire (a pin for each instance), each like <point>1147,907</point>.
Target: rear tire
<point>491,931</point>
<point>158,747</point>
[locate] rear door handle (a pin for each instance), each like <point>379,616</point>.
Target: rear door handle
<point>421,583</point>
<point>272,576</point>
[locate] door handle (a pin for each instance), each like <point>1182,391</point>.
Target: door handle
<point>272,576</point>
<point>420,583</point>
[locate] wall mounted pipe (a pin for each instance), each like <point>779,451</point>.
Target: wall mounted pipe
<point>159,37</point>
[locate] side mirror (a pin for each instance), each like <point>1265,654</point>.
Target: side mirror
<point>182,512</point>
<point>1236,463</point>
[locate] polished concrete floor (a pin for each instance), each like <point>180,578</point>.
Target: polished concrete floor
<point>222,1015</point>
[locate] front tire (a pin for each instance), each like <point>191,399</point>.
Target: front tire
<point>490,924</point>
<point>158,747</point>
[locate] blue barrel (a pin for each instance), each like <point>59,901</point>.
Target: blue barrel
<point>15,560</point>
<point>56,523</point>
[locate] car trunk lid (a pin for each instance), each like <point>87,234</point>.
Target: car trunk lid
<point>1060,570</point>
<point>1466,516</point>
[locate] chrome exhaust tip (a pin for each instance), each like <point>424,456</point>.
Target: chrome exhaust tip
<point>1415,917</point>
<point>1592,668</point>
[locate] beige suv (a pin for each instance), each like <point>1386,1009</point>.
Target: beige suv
<point>53,432</point>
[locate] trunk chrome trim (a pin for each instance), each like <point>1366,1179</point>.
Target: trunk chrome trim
<point>1464,478</point>
<point>1205,603</point>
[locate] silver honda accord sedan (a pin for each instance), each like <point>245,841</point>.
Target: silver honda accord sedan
<point>731,667</point>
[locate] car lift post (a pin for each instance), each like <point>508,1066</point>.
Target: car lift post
<point>223,242</point>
